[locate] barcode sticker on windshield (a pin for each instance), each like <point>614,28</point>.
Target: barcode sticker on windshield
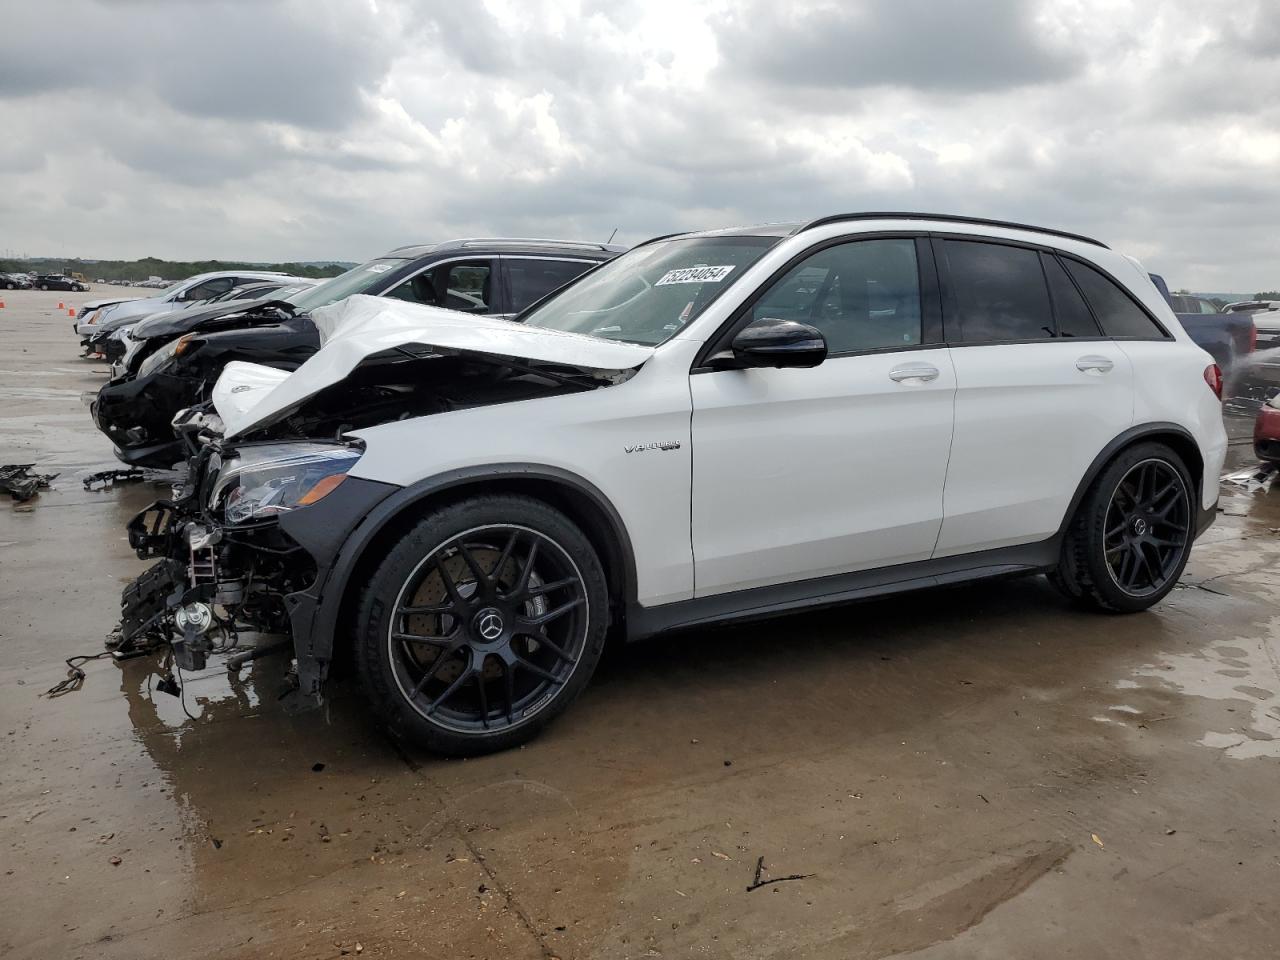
<point>379,268</point>
<point>700,274</point>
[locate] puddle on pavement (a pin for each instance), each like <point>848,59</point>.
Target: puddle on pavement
<point>1243,669</point>
<point>1239,668</point>
<point>206,695</point>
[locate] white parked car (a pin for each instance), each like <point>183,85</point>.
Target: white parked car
<point>713,426</point>
<point>100,315</point>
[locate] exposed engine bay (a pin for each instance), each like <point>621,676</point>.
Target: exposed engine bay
<point>224,563</point>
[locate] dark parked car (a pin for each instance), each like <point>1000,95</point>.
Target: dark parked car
<point>15,281</point>
<point>56,281</point>
<point>153,331</point>
<point>485,277</point>
<point>1227,337</point>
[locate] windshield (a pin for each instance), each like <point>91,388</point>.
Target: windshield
<point>174,287</point>
<point>356,280</point>
<point>648,295</point>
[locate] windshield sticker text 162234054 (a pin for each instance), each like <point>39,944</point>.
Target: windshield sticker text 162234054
<point>699,274</point>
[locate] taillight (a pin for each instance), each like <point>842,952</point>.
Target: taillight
<point>1213,377</point>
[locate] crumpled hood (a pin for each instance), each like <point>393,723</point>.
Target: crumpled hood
<point>360,326</point>
<point>174,323</point>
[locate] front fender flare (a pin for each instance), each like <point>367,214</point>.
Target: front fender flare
<point>338,548</point>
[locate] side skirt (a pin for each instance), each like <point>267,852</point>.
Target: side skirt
<point>782,598</point>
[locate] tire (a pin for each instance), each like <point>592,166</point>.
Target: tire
<point>44,286</point>
<point>500,638</point>
<point>1129,540</point>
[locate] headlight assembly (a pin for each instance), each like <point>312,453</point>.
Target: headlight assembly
<point>161,357</point>
<point>268,479</point>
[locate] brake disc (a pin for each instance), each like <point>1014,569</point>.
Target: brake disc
<point>431,591</point>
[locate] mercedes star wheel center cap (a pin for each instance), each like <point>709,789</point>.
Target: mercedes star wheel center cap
<point>489,624</point>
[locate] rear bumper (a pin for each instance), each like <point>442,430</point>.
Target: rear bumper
<point>1266,435</point>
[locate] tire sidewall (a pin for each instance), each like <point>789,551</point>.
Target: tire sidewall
<point>379,597</point>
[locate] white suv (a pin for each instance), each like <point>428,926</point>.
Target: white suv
<point>713,426</point>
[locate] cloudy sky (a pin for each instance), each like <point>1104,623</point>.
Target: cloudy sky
<point>339,128</point>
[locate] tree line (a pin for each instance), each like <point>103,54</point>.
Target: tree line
<point>155,267</point>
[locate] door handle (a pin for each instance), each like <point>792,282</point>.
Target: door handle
<point>1095,365</point>
<point>923,372</point>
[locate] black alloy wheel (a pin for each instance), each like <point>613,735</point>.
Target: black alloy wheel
<point>488,632</point>
<point>1147,527</point>
<point>1130,538</point>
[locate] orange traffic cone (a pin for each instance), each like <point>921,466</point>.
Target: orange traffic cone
<point>1,304</point>
<point>71,311</point>
<point>61,305</point>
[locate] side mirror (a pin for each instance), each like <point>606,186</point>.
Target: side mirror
<point>769,342</point>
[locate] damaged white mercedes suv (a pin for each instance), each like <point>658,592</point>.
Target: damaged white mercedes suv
<point>713,426</point>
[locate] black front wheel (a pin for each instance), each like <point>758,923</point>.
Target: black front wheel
<point>1130,538</point>
<point>482,624</point>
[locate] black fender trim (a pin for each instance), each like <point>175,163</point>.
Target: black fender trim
<point>337,538</point>
<point>1130,436</point>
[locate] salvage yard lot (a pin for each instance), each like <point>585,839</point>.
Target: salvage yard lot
<point>982,772</point>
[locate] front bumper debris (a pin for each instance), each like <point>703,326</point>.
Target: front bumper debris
<point>137,416</point>
<point>17,480</point>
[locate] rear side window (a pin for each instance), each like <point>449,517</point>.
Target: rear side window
<point>1069,308</point>
<point>999,292</point>
<point>1115,309</point>
<point>532,280</point>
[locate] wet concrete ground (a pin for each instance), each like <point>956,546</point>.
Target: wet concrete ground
<point>981,772</point>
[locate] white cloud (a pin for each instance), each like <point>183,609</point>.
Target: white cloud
<point>341,128</point>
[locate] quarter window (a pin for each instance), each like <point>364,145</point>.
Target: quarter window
<point>863,295</point>
<point>1069,308</point>
<point>999,292</point>
<point>1115,309</point>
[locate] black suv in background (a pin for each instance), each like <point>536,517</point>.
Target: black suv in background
<point>495,277</point>
<point>55,281</point>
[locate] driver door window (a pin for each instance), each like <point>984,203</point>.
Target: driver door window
<point>863,296</point>
<point>466,287</point>
<point>210,288</point>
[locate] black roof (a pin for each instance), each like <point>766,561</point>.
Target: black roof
<point>480,245</point>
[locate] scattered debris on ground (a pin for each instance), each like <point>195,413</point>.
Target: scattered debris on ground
<point>75,674</point>
<point>106,478</point>
<point>17,481</point>
<point>1254,478</point>
<point>757,883</point>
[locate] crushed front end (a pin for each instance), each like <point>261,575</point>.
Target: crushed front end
<point>225,565</point>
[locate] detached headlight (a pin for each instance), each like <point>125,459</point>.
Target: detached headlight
<point>269,479</point>
<point>161,357</point>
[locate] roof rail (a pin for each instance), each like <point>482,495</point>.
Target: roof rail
<point>948,218</point>
<point>534,242</point>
